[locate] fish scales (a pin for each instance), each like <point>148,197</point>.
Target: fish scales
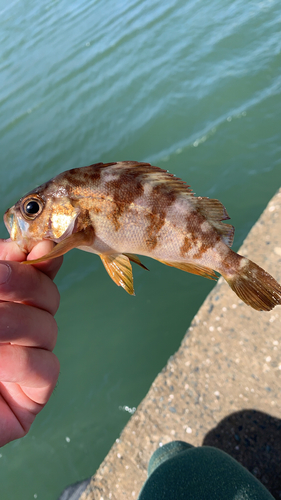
<point>131,208</point>
<point>143,214</point>
<point>121,209</point>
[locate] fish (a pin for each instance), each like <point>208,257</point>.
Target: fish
<point>120,210</point>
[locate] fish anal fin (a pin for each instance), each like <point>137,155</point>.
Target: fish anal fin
<point>136,260</point>
<point>119,269</point>
<point>192,269</point>
<point>84,237</point>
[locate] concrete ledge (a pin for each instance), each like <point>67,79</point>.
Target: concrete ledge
<point>222,387</point>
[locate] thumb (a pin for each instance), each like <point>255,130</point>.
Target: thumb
<point>49,267</point>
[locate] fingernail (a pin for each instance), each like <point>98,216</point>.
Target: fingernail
<point>5,272</point>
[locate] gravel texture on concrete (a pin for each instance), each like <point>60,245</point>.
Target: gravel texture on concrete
<point>222,387</point>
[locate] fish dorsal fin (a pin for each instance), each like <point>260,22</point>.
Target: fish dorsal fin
<point>192,268</point>
<point>213,209</point>
<point>226,231</point>
<point>215,212</point>
<point>120,270</point>
<point>84,237</point>
<point>145,172</point>
<point>136,260</point>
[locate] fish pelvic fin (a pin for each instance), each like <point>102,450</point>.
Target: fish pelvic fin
<point>136,260</point>
<point>84,237</point>
<point>192,269</point>
<point>119,269</point>
<point>255,286</point>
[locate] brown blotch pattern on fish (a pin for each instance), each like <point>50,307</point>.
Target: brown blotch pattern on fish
<point>161,198</point>
<point>231,262</point>
<point>79,178</point>
<point>201,240</point>
<point>193,224</point>
<point>155,223</point>
<point>96,209</point>
<point>124,190</point>
<point>113,216</point>
<point>186,246</point>
<point>204,247</point>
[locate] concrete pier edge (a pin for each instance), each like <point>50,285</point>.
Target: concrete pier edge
<point>221,388</point>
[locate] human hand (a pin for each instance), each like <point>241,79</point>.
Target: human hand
<point>28,331</point>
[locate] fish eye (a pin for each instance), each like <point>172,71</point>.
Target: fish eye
<point>31,208</point>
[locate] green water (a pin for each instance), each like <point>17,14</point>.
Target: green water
<point>191,86</point>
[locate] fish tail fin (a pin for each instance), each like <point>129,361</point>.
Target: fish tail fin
<point>254,286</point>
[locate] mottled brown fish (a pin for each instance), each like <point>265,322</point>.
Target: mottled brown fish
<point>118,210</point>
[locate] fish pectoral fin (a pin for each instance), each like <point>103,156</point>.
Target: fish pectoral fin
<point>84,237</point>
<point>120,270</point>
<point>206,272</point>
<point>136,260</point>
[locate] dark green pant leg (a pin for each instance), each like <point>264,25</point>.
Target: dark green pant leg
<point>179,471</point>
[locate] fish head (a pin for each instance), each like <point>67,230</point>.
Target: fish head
<point>43,214</point>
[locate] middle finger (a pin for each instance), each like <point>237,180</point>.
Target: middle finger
<point>25,325</point>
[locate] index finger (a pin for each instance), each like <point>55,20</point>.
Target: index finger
<point>29,286</point>
<point>9,250</point>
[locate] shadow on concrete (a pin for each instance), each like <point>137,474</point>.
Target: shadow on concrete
<point>253,438</point>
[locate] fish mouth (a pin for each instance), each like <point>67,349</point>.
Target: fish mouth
<point>9,221</point>
<point>17,228</point>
